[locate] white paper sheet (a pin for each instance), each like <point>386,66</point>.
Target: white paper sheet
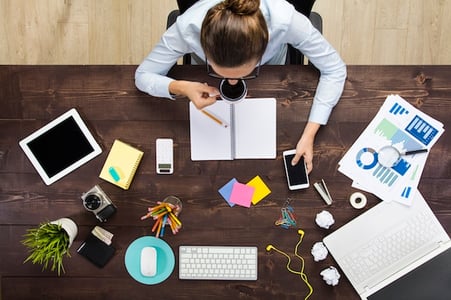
<point>403,126</point>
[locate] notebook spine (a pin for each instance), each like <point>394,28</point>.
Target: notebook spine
<point>232,131</point>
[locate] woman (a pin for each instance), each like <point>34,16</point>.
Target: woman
<point>235,36</point>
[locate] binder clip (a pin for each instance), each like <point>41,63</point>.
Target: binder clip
<point>323,191</point>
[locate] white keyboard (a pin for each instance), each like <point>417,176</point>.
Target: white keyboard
<point>391,247</point>
<point>218,262</point>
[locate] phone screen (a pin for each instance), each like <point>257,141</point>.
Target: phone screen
<point>297,174</point>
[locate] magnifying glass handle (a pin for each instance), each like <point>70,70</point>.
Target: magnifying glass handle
<point>416,151</point>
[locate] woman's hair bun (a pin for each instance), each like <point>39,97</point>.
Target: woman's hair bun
<point>242,7</point>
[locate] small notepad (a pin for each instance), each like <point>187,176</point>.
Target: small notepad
<point>261,189</point>
<point>226,191</point>
<point>121,164</point>
<point>242,194</point>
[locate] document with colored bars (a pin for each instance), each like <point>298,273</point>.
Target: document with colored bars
<point>401,125</point>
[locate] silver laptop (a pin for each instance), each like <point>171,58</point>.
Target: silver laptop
<point>392,252</point>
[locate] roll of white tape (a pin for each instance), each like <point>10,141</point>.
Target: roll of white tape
<point>358,200</point>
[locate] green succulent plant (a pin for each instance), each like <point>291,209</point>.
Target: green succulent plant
<point>47,245</point>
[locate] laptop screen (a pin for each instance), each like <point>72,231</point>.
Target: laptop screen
<point>431,280</point>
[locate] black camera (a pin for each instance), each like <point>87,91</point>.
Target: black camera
<point>96,201</point>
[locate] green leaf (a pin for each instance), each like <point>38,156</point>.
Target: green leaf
<point>47,244</point>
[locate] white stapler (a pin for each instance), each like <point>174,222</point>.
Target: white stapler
<point>323,191</point>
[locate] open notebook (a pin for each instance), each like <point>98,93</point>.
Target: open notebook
<point>250,131</point>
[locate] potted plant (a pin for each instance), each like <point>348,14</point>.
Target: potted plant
<point>49,243</point>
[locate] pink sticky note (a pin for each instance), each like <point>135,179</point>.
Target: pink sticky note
<point>242,194</point>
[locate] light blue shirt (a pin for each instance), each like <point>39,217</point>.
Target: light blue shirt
<point>285,26</point>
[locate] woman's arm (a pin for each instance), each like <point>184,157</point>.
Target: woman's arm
<point>325,58</point>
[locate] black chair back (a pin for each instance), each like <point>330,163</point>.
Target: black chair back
<point>185,4</point>
<point>302,6</point>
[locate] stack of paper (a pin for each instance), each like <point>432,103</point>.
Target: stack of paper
<point>404,127</point>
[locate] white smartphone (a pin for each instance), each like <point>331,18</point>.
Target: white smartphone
<point>297,176</point>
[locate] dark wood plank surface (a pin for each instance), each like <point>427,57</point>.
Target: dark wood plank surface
<point>108,101</point>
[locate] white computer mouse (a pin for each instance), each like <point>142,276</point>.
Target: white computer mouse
<point>148,261</point>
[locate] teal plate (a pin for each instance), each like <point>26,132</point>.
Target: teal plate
<point>165,259</point>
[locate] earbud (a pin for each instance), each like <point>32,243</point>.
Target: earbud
<point>301,232</point>
<point>269,248</point>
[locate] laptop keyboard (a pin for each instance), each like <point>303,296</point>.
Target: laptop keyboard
<point>390,247</point>
<point>218,262</point>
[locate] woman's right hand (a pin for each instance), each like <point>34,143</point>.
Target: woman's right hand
<point>202,95</point>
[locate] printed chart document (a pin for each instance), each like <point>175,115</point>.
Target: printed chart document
<point>245,130</point>
<point>400,125</point>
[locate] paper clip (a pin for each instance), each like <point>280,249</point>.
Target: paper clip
<point>287,218</point>
<point>323,191</point>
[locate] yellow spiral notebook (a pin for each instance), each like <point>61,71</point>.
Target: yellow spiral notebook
<point>121,164</point>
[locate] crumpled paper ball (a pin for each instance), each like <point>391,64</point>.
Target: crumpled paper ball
<point>324,219</point>
<point>319,251</point>
<point>330,275</point>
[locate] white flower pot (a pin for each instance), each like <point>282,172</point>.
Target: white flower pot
<point>69,226</point>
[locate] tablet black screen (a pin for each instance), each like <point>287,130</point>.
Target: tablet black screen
<point>60,147</point>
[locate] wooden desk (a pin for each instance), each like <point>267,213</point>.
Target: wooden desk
<point>108,101</point>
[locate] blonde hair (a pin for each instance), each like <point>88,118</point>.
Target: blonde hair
<point>234,32</point>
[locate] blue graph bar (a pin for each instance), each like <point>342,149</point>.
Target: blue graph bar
<point>389,177</point>
<point>385,175</point>
<point>393,180</point>
<point>421,130</point>
<point>406,192</point>
<point>397,109</point>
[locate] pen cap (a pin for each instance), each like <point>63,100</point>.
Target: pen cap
<point>233,93</point>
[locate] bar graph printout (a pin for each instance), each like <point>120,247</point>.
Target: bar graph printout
<point>404,127</point>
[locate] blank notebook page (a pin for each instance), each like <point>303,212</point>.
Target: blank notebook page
<point>255,128</point>
<point>209,140</point>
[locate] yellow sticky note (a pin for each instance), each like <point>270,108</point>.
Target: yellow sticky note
<point>261,189</point>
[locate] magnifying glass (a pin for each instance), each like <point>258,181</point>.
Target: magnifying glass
<point>389,156</point>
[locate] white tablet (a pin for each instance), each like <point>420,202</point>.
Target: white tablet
<point>60,147</point>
